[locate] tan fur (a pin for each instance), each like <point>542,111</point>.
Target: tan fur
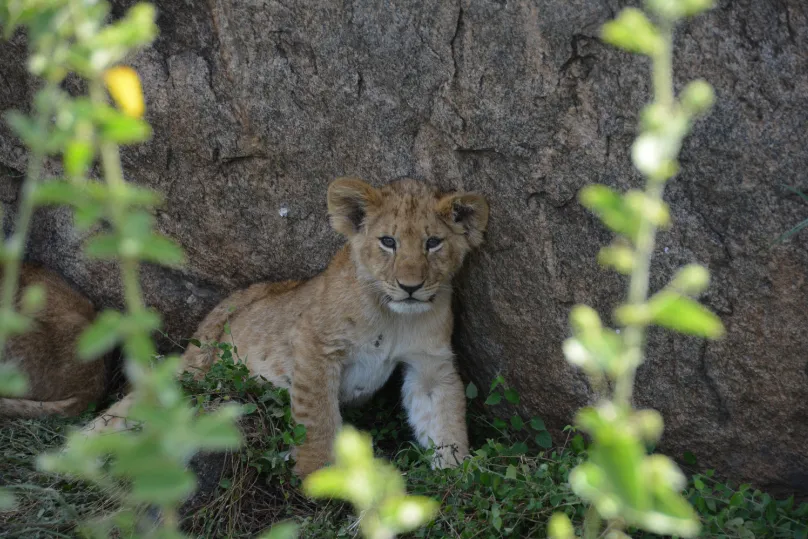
<point>336,338</point>
<point>58,383</point>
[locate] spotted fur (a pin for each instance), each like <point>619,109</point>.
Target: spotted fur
<point>336,338</point>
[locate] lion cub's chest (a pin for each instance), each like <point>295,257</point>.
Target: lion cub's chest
<point>371,364</point>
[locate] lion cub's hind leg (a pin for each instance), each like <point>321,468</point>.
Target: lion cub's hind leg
<point>31,409</point>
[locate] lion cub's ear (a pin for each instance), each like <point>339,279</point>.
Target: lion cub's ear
<point>349,200</point>
<point>467,210</point>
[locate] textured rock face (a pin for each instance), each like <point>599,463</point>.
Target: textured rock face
<point>256,106</point>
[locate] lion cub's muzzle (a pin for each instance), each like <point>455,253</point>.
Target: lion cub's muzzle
<point>410,298</point>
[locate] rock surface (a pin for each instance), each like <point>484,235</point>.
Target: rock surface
<point>256,106</point>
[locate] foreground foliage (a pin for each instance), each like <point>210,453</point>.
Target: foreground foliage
<point>73,38</point>
<point>626,486</point>
<point>509,488</point>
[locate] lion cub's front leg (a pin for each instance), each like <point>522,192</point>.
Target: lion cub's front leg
<point>436,406</point>
<point>315,404</point>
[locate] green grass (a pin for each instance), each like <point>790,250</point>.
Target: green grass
<point>510,486</point>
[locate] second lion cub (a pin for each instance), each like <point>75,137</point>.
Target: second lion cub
<point>385,299</point>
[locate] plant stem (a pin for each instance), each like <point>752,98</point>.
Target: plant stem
<point>15,246</point>
<point>113,173</point>
<point>662,66</point>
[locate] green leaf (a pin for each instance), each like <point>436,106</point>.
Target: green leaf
<point>560,527</point>
<point>101,337</point>
<point>674,311</point>
<point>537,424</point>
<point>161,250</point>
<point>689,458</point>
<point>12,381</point>
<point>498,380</point>
<point>58,192</point>
<point>121,129</point>
<point>471,391</point>
<point>33,299</point>
<point>632,31</point>
<point>103,246</point>
<point>512,396</point>
<point>216,431</point>
<point>282,530</point>
<point>517,423</point>
<point>163,485</point>
<point>493,399</point>
<point>510,472</point>
<point>544,439</point>
<point>610,207</point>
<point>25,128</point>
<point>249,408</point>
<point>78,157</point>
<point>138,346</point>
<point>84,217</point>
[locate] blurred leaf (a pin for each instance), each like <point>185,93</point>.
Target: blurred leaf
<point>471,391</point>
<point>100,337</point>
<point>33,299</point>
<point>674,311</point>
<point>25,128</point>
<point>14,323</point>
<point>78,157</point>
<point>103,246</point>
<point>610,207</point>
<point>217,432</point>
<point>58,192</point>
<point>12,381</point>
<point>282,530</point>
<point>249,408</point>
<point>560,527</point>
<point>163,486</point>
<point>632,31</point>
<point>121,129</point>
<point>161,250</point>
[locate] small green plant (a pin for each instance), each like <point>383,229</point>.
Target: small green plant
<point>374,487</point>
<point>625,485</point>
<point>505,489</point>
<point>71,36</point>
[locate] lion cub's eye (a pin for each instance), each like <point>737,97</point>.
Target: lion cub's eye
<point>433,243</point>
<point>387,242</point>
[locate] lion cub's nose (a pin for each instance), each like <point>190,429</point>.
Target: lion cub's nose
<point>410,289</point>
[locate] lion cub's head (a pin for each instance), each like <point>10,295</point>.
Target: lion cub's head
<point>407,240</point>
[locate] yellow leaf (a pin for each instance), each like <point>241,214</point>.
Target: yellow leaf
<point>124,87</point>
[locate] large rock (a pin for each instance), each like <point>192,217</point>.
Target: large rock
<point>256,106</point>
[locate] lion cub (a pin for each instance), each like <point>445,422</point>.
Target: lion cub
<point>384,300</point>
<point>58,383</point>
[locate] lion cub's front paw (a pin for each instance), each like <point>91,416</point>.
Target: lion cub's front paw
<point>448,456</point>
